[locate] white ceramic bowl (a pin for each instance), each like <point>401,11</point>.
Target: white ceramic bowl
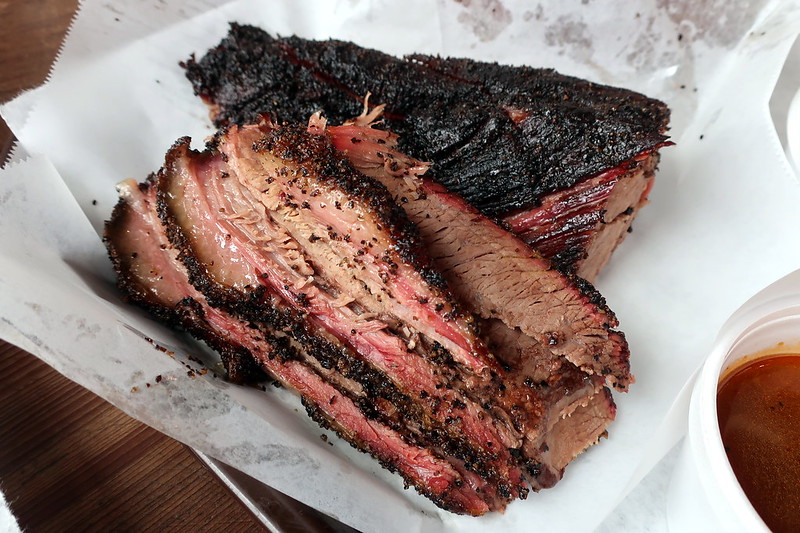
<point>704,494</point>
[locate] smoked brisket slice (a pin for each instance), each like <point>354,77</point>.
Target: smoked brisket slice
<point>491,271</point>
<point>525,305</point>
<point>504,138</point>
<point>243,259</point>
<point>151,275</point>
<point>583,225</point>
<point>507,398</point>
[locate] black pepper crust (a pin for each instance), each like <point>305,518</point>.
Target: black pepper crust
<point>240,366</point>
<point>382,400</point>
<point>187,314</point>
<point>588,292</point>
<point>320,417</point>
<point>132,291</point>
<point>500,136</point>
<point>379,399</point>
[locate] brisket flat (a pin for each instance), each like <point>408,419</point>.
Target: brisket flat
<point>504,138</point>
<point>273,248</point>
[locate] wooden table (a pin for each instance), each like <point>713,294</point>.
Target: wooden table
<point>68,459</point>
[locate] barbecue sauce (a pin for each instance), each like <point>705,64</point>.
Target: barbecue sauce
<point>758,405</point>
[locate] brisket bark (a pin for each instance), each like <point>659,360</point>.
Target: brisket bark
<point>276,251</point>
<point>504,138</point>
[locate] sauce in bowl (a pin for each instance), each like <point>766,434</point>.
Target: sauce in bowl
<point>758,406</point>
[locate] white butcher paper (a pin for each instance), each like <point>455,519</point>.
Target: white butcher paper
<point>722,222</point>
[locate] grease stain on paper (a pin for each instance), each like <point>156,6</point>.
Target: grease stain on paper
<point>536,14</point>
<point>571,34</point>
<point>33,339</point>
<point>648,51</point>
<point>714,22</point>
<point>82,327</point>
<point>183,402</point>
<point>5,197</point>
<point>485,18</point>
<point>276,455</point>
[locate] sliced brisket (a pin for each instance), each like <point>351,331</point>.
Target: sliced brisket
<point>277,251</point>
<point>237,256</point>
<point>151,275</point>
<point>583,225</point>
<point>504,138</point>
<point>493,272</point>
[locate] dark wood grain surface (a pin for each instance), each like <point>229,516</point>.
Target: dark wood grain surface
<point>69,461</point>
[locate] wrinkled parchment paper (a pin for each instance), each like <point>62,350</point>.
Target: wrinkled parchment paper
<point>722,222</point>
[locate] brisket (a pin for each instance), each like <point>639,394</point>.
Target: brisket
<point>276,248</point>
<point>504,138</point>
<point>491,271</point>
<point>151,275</point>
<point>242,259</point>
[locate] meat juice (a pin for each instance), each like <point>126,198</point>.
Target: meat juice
<point>758,406</point>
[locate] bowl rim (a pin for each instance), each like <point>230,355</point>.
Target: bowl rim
<point>720,483</point>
